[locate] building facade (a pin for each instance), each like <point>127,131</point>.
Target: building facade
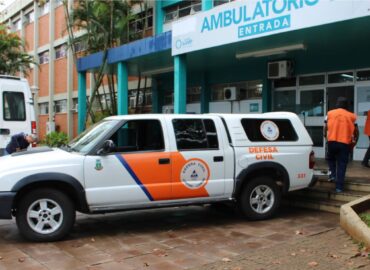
<point>226,56</point>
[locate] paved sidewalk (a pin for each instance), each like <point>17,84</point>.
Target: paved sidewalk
<point>173,238</point>
<point>329,250</point>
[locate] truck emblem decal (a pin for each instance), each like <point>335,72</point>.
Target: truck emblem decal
<point>269,130</point>
<point>194,174</point>
<point>98,165</point>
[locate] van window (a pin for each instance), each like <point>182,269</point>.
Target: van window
<point>195,134</point>
<point>14,108</point>
<point>264,130</point>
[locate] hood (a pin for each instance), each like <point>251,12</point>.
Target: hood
<point>39,160</point>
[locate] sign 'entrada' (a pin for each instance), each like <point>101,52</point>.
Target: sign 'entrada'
<point>243,20</point>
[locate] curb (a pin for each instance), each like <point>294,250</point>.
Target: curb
<point>352,223</point>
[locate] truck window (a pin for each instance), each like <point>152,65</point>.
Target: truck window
<point>14,108</point>
<point>195,134</point>
<point>281,130</point>
<point>139,135</point>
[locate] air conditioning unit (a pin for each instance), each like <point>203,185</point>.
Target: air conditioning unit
<point>231,93</point>
<point>279,69</point>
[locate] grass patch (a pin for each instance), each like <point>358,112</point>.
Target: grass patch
<point>365,218</point>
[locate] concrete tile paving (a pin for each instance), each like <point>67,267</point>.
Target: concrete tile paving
<point>173,238</point>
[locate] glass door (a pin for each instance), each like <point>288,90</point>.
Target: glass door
<point>362,106</point>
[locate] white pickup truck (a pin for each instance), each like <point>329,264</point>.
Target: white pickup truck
<point>147,161</point>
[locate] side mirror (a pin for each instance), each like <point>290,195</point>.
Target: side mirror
<point>108,146</point>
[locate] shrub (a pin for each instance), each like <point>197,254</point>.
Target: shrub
<point>56,139</point>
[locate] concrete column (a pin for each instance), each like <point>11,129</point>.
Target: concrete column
<point>70,109</point>
<point>122,89</point>
<point>207,5</point>
<point>180,84</point>
<point>81,101</point>
<point>51,62</point>
<point>36,57</point>
<point>205,95</point>
<point>266,95</point>
<point>158,17</point>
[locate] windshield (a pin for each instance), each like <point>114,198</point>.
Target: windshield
<point>90,137</point>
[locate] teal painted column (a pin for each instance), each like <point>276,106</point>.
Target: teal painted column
<point>266,95</point>
<point>205,95</point>
<point>207,5</point>
<point>180,84</point>
<point>122,88</point>
<point>159,17</point>
<point>157,97</point>
<point>81,101</point>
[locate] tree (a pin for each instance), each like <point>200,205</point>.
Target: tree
<point>105,23</point>
<point>12,53</point>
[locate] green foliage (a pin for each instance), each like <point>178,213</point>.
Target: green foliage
<point>55,139</point>
<point>12,53</point>
<point>365,218</point>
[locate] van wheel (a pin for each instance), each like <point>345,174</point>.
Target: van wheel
<point>260,198</point>
<point>45,215</point>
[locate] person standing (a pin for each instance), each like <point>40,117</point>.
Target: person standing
<point>19,142</point>
<point>365,161</point>
<point>342,134</point>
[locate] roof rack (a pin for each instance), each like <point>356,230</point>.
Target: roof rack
<point>9,77</point>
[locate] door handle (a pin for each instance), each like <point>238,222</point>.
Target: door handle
<point>218,159</point>
<point>4,131</point>
<point>164,161</point>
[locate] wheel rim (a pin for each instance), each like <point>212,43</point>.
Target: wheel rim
<point>45,216</point>
<point>262,199</point>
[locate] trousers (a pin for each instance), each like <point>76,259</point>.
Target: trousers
<point>337,158</point>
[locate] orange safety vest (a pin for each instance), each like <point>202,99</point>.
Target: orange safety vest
<point>367,124</point>
<point>341,126</point>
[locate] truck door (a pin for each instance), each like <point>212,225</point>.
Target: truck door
<point>198,159</point>
<point>137,172</point>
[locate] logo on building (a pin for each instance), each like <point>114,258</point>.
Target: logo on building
<point>184,43</point>
<point>194,174</point>
<point>269,130</point>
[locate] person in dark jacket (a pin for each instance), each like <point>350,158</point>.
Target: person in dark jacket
<point>19,142</point>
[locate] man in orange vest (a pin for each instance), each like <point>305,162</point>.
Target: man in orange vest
<point>365,161</point>
<point>342,135</point>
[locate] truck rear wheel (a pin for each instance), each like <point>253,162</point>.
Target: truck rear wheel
<point>260,198</point>
<point>45,215</point>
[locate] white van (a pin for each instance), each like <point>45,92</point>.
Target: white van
<point>16,109</point>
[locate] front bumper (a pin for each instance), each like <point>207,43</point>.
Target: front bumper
<point>6,203</point>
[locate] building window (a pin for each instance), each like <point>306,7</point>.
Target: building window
<point>341,77</point>
<point>44,108</point>
<point>193,94</point>
<point>79,46</point>
<point>363,75</point>
<point>311,80</point>
<point>141,23</point>
<point>221,2</point>
<point>44,57</point>
<point>29,17</point>
<point>16,25</point>
<point>142,101</point>
<point>44,8</point>
<point>182,9</point>
<point>60,51</point>
<point>245,90</point>
<point>285,101</point>
<point>61,106</point>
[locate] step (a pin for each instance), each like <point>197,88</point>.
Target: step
<point>318,192</point>
<point>332,206</point>
<point>350,184</point>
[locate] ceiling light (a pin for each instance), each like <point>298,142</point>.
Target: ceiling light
<point>272,51</point>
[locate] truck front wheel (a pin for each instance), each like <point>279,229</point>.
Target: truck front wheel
<point>259,198</point>
<point>45,215</point>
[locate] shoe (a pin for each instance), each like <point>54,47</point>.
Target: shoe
<point>337,190</point>
<point>331,179</point>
